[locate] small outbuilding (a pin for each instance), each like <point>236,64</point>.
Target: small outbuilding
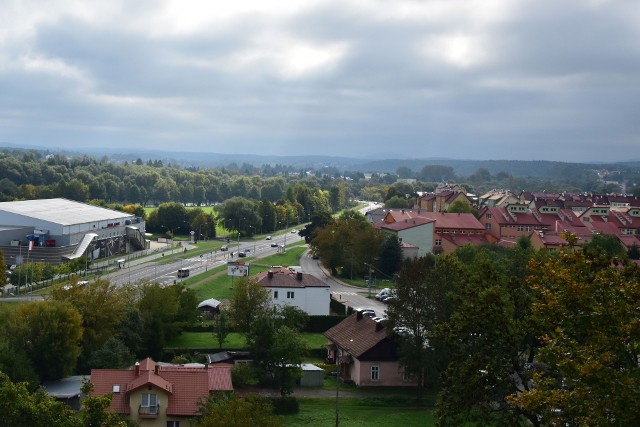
<point>211,306</point>
<point>312,376</point>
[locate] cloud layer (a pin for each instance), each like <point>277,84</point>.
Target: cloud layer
<point>491,79</point>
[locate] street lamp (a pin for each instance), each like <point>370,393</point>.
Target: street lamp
<point>173,229</point>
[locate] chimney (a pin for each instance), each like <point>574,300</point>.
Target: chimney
<point>358,315</point>
<point>299,276</point>
<point>402,210</point>
<point>379,326</point>
<point>156,370</point>
<point>270,274</point>
<point>137,369</point>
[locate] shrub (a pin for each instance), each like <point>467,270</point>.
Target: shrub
<point>243,375</point>
<point>285,405</point>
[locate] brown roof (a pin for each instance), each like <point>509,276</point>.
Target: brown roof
<point>404,224</point>
<point>283,277</point>
<point>186,385</point>
<point>357,334</point>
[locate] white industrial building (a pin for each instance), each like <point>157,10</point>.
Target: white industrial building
<point>62,229</point>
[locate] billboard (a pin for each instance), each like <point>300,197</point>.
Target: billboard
<point>237,268</point>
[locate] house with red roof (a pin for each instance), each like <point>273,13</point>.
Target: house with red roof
<point>440,201</point>
<point>365,353</point>
<point>290,286</point>
<point>412,231</point>
<point>153,394</point>
<point>450,230</point>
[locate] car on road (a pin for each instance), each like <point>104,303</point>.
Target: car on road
<point>242,254</point>
<point>224,248</point>
<point>268,238</point>
<point>274,245</point>
<point>294,231</point>
<point>315,256</point>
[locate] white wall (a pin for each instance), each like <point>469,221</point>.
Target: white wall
<point>313,300</point>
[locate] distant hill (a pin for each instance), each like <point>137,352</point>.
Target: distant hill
<point>519,168</point>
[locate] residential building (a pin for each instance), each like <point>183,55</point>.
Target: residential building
<point>290,286</point>
<point>365,353</point>
<point>156,395</point>
<point>414,232</point>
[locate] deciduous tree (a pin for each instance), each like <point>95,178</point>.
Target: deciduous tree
<point>587,312</point>
<point>49,334</point>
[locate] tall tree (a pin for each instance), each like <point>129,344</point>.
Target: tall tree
<point>49,334</point>
<point>249,302</point>
<point>101,305</point>
<point>587,312</point>
<point>488,337</point>
<point>422,305</point>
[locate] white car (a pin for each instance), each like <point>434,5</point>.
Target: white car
<point>268,238</point>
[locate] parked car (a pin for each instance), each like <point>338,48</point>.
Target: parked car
<point>268,238</point>
<point>315,256</point>
<point>368,312</point>
<point>383,294</point>
<point>224,248</point>
<point>241,254</point>
<point>274,245</point>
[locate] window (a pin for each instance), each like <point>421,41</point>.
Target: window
<point>488,225</point>
<point>173,423</point>
<point>520,228</point>
<point>375,372</point>
<point>438,242</point>
<point>149,400</point>
<point>489,216</point>
<point>275,294</point>
<point>527,228</point>
<point>290,294</point>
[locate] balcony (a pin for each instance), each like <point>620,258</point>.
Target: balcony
<point>149,411</point>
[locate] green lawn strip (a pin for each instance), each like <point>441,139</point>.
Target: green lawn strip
<point>356,412</point>
<point>206,340</point>
<point>216,284</point>
<point>234,340</point>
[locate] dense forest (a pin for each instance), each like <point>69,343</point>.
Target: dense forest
<point>31,174</point>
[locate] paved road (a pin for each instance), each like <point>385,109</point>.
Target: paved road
<point>350,295</point>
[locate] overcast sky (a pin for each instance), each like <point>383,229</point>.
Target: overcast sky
<point>486,79</point>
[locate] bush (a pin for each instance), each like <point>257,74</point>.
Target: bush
<point>242,375</point>
<point>339,308</point>
<point>322,323</point>
<point>285,405</point>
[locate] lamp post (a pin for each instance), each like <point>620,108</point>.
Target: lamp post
<point>254,240</point>
<point>173,230</point>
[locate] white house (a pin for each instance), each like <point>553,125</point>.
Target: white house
<point>290,287</point>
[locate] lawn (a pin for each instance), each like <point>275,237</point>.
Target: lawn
<point>234,340</point>
<point>218,285</point>
<point>206,340</point>
<point>356,412</point>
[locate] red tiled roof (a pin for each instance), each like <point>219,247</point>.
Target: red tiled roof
<point>282,277</point>
<point>404,224</point>
<point>464,239</point>
<point>185,385</point>
<point>459,221</point>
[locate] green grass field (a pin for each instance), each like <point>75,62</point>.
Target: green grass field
<point>356,412</point>
<point>233,341</point>
<point>217,284</point>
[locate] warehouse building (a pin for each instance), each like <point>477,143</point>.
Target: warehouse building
<point>58,230</point>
